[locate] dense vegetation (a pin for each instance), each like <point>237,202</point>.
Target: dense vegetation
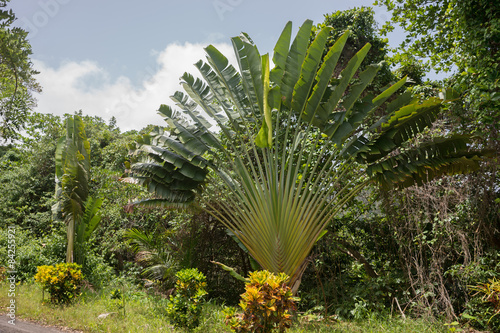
<point>392,248</point>
<point>17,82</point>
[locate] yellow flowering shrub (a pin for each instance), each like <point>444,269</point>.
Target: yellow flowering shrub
<point>267,305</point>
<point>61,281</point>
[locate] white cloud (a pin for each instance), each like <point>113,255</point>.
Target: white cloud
<point>86,86</point>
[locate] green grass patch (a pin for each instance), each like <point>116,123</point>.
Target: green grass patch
<point>132,310</point>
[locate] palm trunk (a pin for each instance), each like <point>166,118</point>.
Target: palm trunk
<point>296,279</point>
<point>71,241</point>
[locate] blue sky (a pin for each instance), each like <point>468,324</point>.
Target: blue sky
<point>124,58</point>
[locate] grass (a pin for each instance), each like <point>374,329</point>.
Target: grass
<point>144,313</point>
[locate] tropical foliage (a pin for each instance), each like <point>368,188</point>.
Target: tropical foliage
<point>17,81</point>
<point>459,37</point>
<point>490,292</point>
<point>362,27</point>
<point>62,281</point>
<point>267,304</point>
<point>154,253</point>
<point>310,166</point>
<point>79,211</point>
<point>287,148</point>
<point>184,308</point>
<point>489,307</point>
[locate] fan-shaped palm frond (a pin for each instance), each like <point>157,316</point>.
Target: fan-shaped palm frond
<point>287,149</point>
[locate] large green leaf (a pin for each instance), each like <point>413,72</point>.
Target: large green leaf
<point>403,125</point>
<point>249,61</point>
<point>323,78</point>
<point>90,220</point>
<point>441,156</point>
<point>294,60</point>
<point>308,71</point>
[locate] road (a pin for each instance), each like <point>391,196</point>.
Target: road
<point>22,326</point>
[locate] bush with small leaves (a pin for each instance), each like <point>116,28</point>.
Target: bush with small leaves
<point>267,305</point>
<point>184,309</point>
<point>62,281</point>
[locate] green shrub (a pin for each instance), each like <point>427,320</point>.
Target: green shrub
<point>484,308</point>
<point>62,281</point>
<point>98,273</point>
<point>267,305</point>
<point>28,253</point>
<point>184,309</point>
<point>32,252</point>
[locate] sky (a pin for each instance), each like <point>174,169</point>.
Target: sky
<point>124,58</point>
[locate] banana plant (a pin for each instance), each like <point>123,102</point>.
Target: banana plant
<point>78,210</point>
<point>89,222</point>
<point>279,152</point>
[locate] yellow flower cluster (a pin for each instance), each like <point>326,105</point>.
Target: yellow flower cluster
<point>61,281</point>
<point>55,274</point>
<point>267,304</point>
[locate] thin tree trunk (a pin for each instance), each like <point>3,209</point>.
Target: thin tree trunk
<point>71,241</point>
<point>349,249</point>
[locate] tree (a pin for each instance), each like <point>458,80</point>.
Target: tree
<point>27,175</point>
<point>360,22</point>
<point>79,210</point>
<point>463,38</point>
<point>462,35</point>
<point>17,81</point>
<point>284,143</point>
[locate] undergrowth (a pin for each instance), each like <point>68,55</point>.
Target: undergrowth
<point>122,307</point>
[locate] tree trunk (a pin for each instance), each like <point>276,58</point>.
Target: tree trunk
<point>71,241</point>
<point>349,249</point>
<point>295,280</point>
